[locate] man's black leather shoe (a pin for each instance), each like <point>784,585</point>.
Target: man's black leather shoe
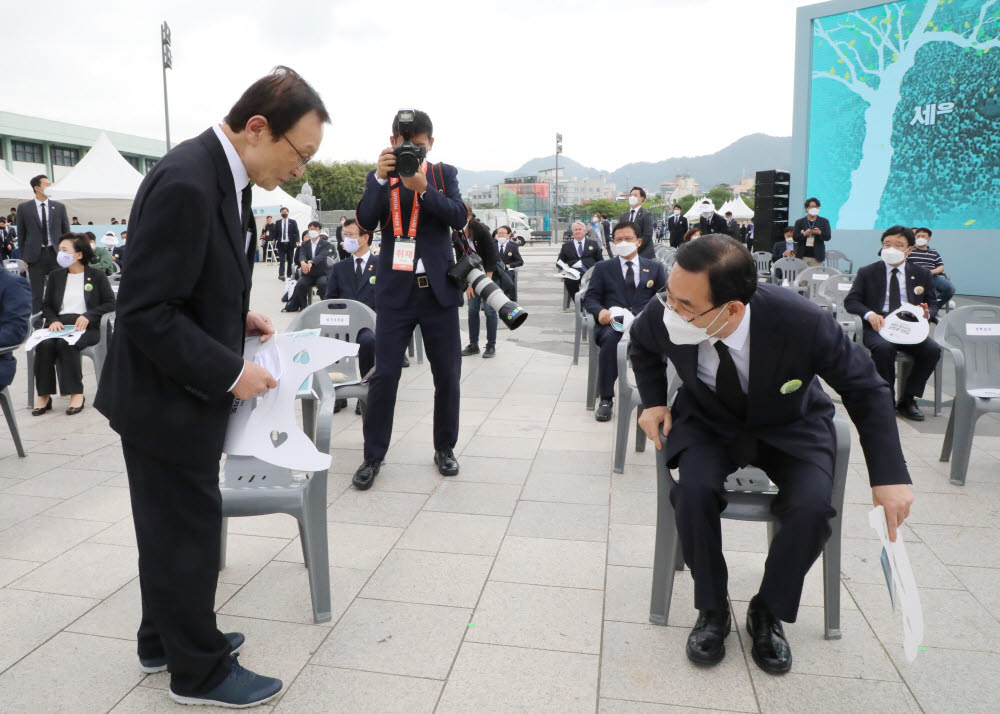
<point>470,350</point>
<point>490,352</point>
<point>706,644</point>
<point>908,409</point>
<point>364,477</point>
<point>603,412</point>
<point>446,462</point>
<point>339,404</point>
<point>769,647</point>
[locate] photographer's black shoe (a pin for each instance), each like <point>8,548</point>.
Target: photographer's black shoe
<point>446,462</point>
<point>908,409</point>
<point>490,352</point>
<point>603,412</point>
<point>364,477</point>
<point>470,350</point>
<point>706,645</point>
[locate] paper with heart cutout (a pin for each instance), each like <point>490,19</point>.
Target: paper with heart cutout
<point>266,428</point>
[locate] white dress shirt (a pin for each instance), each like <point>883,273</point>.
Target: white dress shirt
<point>739,347</point>
<point>578,246</point>
<point>73,302</point>
<point>364,260</point>
<point>901,279</point>
<point>634,260</point>
<point>420,261</point>
<point>240,181</point>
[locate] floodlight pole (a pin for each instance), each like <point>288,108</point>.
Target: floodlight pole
<point>167,62</point>
<point>555,194</point>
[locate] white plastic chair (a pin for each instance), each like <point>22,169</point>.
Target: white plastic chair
<point>763,259</point>
<point>96,353</point>
<point>628,401</point>
<point>584,322</point>
<point>812,279</point>
<point>789,267</point>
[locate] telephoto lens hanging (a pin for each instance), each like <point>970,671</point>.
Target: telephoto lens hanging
<point>468,272</point>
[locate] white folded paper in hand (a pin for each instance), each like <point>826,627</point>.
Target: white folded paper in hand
<point>905,332</point>
<point>566,272</point>
<point>620,318</point>
<point>902,585</point>
<point>68,333</point>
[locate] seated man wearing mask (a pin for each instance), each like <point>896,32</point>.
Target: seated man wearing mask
<point>749,358</point>
<point>883,287</point>
<point>311,257</point>
<point>102,256</point>
<point>581,253</point>
<point>930,259</point>
<point>628,282</point>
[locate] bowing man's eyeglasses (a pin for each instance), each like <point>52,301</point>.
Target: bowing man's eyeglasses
<point>305,159</point>
<point>667,301</point>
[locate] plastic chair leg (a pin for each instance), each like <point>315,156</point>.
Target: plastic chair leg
<point>30,359</point>
<point>621,432</point>
<point>640,435</point>
<point>309,418</point>
<point>576,339</point>
<point>8,411</point>
<point>938,379</point>
<point>831,582</point>
<point>420,344</point>
<point>965,426</point>
<point>949,432</point>
<point>312,525</point>
<point>223,543</point>
<point>593,357</point>
<point>664,558</point>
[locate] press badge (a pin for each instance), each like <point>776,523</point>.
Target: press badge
<point>810,241</point>
<point>402,254</point>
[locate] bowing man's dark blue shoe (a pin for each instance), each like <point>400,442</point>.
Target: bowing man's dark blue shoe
<point>240,689</point>
<point>152,665</point>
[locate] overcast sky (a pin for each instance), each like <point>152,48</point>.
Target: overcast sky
<point>498,77</point>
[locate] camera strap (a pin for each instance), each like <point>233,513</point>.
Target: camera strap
<point>396,209</point>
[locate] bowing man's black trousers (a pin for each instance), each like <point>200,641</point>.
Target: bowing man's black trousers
<point>802,508</point>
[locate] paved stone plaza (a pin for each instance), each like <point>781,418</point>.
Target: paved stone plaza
<point>521,585</point>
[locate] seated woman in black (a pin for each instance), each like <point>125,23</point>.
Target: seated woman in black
<point>76,294</point>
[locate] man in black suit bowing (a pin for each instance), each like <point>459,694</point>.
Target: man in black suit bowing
<point>581,253</point>
<point>710,221</point>
<point>417,214</point>
<point>642,219</point>
<point>286,237</point>
<point>749,358</point>
<point>628,281</point>
<point>677,224</point>
<point>40,222</point>
<point>175,364</point>
<point>881,288</point>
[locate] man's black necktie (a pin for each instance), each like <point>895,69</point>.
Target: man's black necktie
<point>727,383</point>
<point>629,284</point>
<point>357,270</point>
<point>894,302</point>
<point>45,227</point>
<point>245,202</point>
<point>632,217</point>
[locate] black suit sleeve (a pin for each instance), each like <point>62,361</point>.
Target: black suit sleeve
<point>15,309</point>
<point>648,363</point>
<point>63,221</point>
<point>447,206</point>
<point>646,227</point>
<point>595,291</point>
<point>373,208</point>
<point>21,232</point>
<point>854,303</point>
<point>107,297</point>
<point>824,229</point>
<point>56,283</point>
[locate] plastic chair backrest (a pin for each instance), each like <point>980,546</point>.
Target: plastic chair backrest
<point>836,288</point>
<point>763,261</point>
<point>339,319</point>
<point>814,278</point>
<point>789,267</point>
<point>15,266</point>
<point>980,349</point>
<point>833,258</point>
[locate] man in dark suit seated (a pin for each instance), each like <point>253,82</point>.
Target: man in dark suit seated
<point>783,249</point>
<point>750,358</point>
<point>581,253</point>
<point>642,219</point>
<point>15,309</point>
<point>881,288</point>
<point>812,231</point>
<point>710,221</point>
<point>311,257</point>
<point>8,240</point>
<point>677,225</point>
<point>628,281</point>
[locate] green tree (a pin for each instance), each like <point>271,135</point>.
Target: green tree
<point>338,185</point>
<point>686,203</point>
<point>720,194</point>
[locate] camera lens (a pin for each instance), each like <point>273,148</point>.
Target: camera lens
<point>407,163</point>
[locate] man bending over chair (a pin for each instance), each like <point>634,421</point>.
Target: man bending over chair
<point>748,357</point>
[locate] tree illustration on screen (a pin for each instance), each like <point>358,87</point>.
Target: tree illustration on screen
<point>869,52</point>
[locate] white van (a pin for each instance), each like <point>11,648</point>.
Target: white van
<point>496,217</point>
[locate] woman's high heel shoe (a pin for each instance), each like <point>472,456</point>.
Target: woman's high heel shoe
<point>76,410</point>
<point>38,411</point>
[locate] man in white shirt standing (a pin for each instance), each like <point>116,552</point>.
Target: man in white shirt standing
<point>40,223</point>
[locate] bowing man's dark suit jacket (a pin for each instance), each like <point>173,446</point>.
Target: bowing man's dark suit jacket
<point>819,245</point>
<point>510,254</point>
<point>607,286</point>
<point>100,299</point>
<point>441,211</point>
<point>870,287</point>
<point>678,226</point>
<point>342,284</point>
<point>790,339</point>
<point>591,254</point>
<point>30,239</point>
<point>15,309</point>
<point>643,219</point>
<point>716,225</point>
<point>178,342</point>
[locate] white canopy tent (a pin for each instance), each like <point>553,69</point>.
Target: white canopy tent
<point>12,191</point>
<point>100,187</point>
<point>741,211</point>
<point>267,203</point>
<point>694,213</point>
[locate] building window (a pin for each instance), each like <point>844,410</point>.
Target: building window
<point>63,156</point>
<point>134,160</point>
<point>150,163</point>
<point>27,151</point>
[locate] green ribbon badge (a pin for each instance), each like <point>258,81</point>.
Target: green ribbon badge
<point>790,386</point>
<point>371,280</point>
<point>88,287</point>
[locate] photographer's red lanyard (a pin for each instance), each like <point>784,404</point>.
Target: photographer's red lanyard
<point>405,248</point>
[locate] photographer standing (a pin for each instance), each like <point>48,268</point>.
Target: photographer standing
<point>417,214</point>
<point>486,247</point>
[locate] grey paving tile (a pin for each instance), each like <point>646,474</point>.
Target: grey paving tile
<point>107,458</point>
<point>538,616</point>
<point>454,533</point>
<point>524,448</point>
<point>317,689</point>
<point>59,482</point>
<point>246,555</point>
<point>633,508</point>
<point>274,525</point>
<point>572,462</point>
<point>350,545</point>
<point>487,499</point>
<point>628,592</point>
<point>27,619</point>
<point>489,469</point>
<point>952,680</point>
<point>798,693</point>
<point>15,508</point>
<point>562,521</point>
<point>567,488</point>
<point>281,592</point>
<point>396,638</point>
<point>74,444</point>
<point>429,578</point>
<point>100,503</point>
<point>636,478</point>
<point>407,479</point>
<point>91,672</point>
<point>952,509</point>
<point>620,706</point>
<point>11,570</point>
<point>647,663</point>
<point>546,561</point>
<point>121,533</point>
<point>983,583</point>
<point>489,678</point>
<point>90,570</point>
<point>144,700</point>
<point>40,538</point>
<point>631,545</point>
<point>860,563</point>
<point>376,508</point>
<point>962,545</point>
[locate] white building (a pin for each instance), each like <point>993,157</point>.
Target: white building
<point>482,196</point>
